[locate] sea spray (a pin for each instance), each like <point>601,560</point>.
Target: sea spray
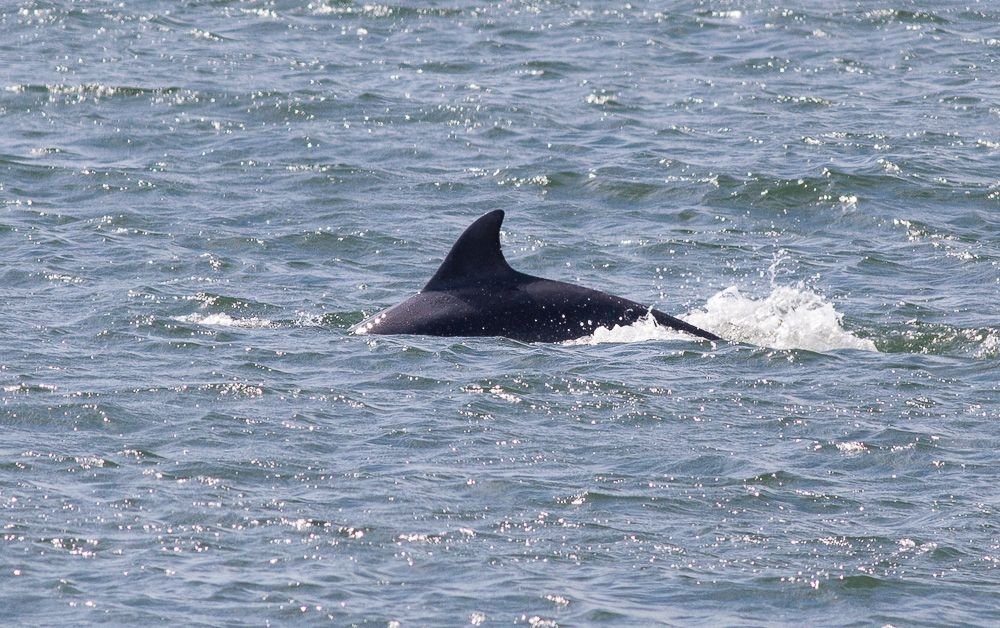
<point>790,317</point>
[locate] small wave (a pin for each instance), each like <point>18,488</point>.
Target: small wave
<point>225,320</point>
<point>788,318</point>
<point>940,339</point>
<point>221,319</point>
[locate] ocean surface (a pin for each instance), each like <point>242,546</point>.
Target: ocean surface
<point>200,200</point>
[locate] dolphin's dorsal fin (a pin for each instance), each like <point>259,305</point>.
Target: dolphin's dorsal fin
<point>474,257</point>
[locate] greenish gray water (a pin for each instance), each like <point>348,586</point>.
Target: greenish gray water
<point>199,201</point>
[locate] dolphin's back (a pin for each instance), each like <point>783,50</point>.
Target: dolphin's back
<point>475,292</point>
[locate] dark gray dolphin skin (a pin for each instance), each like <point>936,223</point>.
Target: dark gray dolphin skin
<point>476,293</point>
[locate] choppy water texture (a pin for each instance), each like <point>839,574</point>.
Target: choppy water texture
<point>200,199</point>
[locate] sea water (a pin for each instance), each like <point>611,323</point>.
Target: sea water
<point>198,201</point>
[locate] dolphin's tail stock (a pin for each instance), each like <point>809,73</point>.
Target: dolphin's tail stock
<point>675,323</point>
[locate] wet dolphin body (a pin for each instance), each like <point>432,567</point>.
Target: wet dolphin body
<point>476,293</point>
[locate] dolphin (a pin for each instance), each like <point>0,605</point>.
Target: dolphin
<point>475,292</point>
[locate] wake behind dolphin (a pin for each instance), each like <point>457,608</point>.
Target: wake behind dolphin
<point>476,293</point>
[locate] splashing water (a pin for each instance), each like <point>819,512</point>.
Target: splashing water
<point>788,318</point>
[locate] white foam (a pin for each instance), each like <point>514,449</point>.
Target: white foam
<point>646,328</point>
<point>225,320</point>
<point>790,317</point>
<point>990,345</point>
